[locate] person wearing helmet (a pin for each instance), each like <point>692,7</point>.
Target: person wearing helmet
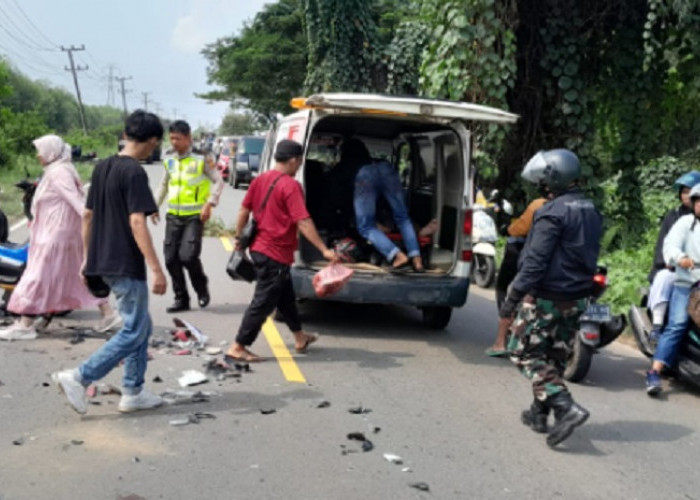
<point>681,250</point>
<point>660,276</point>
<point>550,290</point>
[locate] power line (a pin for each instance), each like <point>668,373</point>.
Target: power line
<point>37,30</point>
<point>121,80</point>
<point>28,41</point>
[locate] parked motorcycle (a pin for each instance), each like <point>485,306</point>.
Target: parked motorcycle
<point>597,328</point>
<point>688,357</point>
<point>484,237</point>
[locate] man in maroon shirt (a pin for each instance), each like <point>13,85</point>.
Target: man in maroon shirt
<point>273,249</point>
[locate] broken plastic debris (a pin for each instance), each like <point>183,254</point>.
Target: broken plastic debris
<point>184,397</point>
<point>267,411</point>
<point>91,391</point>
<point>358,410</point>
<point>394,459</point>
<point>181,323</point>
<point>157,379</point>
<point>323,404</point>
<point>109,389</point>
<point>183,352</point>
<point>376,430</point>
<point>192,377</point>
<point>367,445</point>
<point>406,469</point>
<point>213,350</point>
<point>136,460</point>
<point>192,418</point>
<point>18,441</point>
<point>76,442</point>
<point>420,486</point>
<point>180,335</point>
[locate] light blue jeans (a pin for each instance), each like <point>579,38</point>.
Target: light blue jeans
<point>383,179</point>
<point>676,328</point>
<point>130,343</point>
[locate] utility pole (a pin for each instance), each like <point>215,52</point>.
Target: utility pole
<point>110,86</point>
<point>121,80</point>
<point>145,100</point>
<point>74,69</point>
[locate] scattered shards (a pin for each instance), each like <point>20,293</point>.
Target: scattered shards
<point>185,397</point>
<point>106,389</point>
<point>367,445</point>
<point>76,442</point>
<point>43,384</point>
<point>136,460</point>
<point>183,352</point>
<point>192,418</point>
<point>394,459</point>
<point>216,367</point>
<point>359,410</point>
<point>157,379</point>
<point>192,377</point>
<point>345,451</point>
<point>406,469</point>
<point>267,411</point>
<point>213,351</point>
<point>18,441</point>
<point>91,391</point>
<point>196,333</point>
<point>76,339</point>
<point>180,335</point>
<point>94,402</point>
<point>157,342</point>
<point>423,486</point>
<point>377,430</point>
<point>323,404</point>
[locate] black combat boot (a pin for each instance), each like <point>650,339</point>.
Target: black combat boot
<point>535,417</point>
<point>567,416</point>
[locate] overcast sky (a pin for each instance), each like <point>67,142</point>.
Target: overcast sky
<point>156,42</point>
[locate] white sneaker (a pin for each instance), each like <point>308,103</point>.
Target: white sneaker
<point>109,323</point>
<point>17,331</point>
<point>69,385</point>
<point>144,400</point>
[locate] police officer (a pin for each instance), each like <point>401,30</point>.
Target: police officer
<point>189,176</point>
<point>554,279</point>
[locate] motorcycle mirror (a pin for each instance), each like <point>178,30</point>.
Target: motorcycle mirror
<point>493,195</point>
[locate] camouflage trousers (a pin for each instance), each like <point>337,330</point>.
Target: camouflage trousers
<point>541,341</point>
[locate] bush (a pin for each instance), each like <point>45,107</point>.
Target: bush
<point>659,173</point>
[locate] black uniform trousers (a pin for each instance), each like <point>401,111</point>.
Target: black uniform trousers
<point>273,289</point>
<point>182,248</point>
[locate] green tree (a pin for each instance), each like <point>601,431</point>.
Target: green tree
<point>263,67</point>
<point>238,124</point>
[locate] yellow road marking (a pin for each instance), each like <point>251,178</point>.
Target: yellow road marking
<point>289,367</point>
<point>226,242</point>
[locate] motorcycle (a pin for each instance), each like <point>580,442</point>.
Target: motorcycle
<point>597,327</point>
<point>688,357</point>
<point>484,237</point>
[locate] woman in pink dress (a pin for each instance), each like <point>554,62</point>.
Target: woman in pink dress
<point>52,281</point>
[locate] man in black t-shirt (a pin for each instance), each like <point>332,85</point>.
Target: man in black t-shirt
<point>118,248</point>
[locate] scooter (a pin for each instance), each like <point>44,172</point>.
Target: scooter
<point>484,236</point>
<point>688,357</point>
<point>597,327</point>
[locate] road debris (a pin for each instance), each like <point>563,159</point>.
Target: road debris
<point>192,377</point>
<point>367,445</point>
<point>423,486</point>
<point>193,330</point>
<point>267,411</point>
<point>91,391</point>
<point>359,410</point>
<point>76,442</point>
<point>136,460</point>
<point>394,459</point>
<point>185,397</point>
<point>157,379</point>
<point>18,441</point>
<point>323,404</point>
<point>106,389</point>
<point>183,352</point>
<point>192,418</point>
<point>406,469</point>
<point>213,351</point>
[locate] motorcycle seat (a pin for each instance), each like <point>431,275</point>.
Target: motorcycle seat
<point>14,251</point>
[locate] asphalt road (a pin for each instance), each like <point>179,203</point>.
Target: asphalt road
<point>450,413</point>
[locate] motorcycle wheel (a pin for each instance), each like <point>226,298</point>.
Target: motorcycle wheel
<point>484,270</point>
<point>579,362</point>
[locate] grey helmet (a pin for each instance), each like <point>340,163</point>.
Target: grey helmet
<point>695,193</point>
<point>556,169</point>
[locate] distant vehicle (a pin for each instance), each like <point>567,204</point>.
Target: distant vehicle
<point>224,164</point>
<point>247,160</point>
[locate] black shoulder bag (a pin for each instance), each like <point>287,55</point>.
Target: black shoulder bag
<point>239,267</point>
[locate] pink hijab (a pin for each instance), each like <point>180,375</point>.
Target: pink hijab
<point>57,154</point>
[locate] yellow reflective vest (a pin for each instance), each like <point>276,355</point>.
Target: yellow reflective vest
<point>188,185</point>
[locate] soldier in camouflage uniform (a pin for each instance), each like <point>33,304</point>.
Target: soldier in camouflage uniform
<point>555,277</point>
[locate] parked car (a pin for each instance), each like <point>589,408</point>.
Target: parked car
<point>247,159</point>
<point>429,142</point>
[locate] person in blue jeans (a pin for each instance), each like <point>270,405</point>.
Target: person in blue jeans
<point>681,249</point>
<point>382,179</point>
<point>118,247</point>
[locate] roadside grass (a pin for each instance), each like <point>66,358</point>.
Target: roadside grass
<point>215,227</point>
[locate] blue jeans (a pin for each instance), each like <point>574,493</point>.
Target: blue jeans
<point>676,328</point>
<point>383,179</point>
<point>130,343</point>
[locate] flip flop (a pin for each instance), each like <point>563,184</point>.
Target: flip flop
<point>312,337</point>
<point>496,353</point>
<point>402,269</point>
<point>248,357</point>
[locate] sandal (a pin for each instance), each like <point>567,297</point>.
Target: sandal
<point>310,339</point>
<point>246,357</point>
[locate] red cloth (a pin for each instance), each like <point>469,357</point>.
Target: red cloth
<point>277,224</point>
<point>331,279</point>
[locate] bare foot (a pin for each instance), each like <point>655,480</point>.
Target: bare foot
<point>303,340</point>
<point>430,228</point>
<point>418,264</point>
<point>401,259</point>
